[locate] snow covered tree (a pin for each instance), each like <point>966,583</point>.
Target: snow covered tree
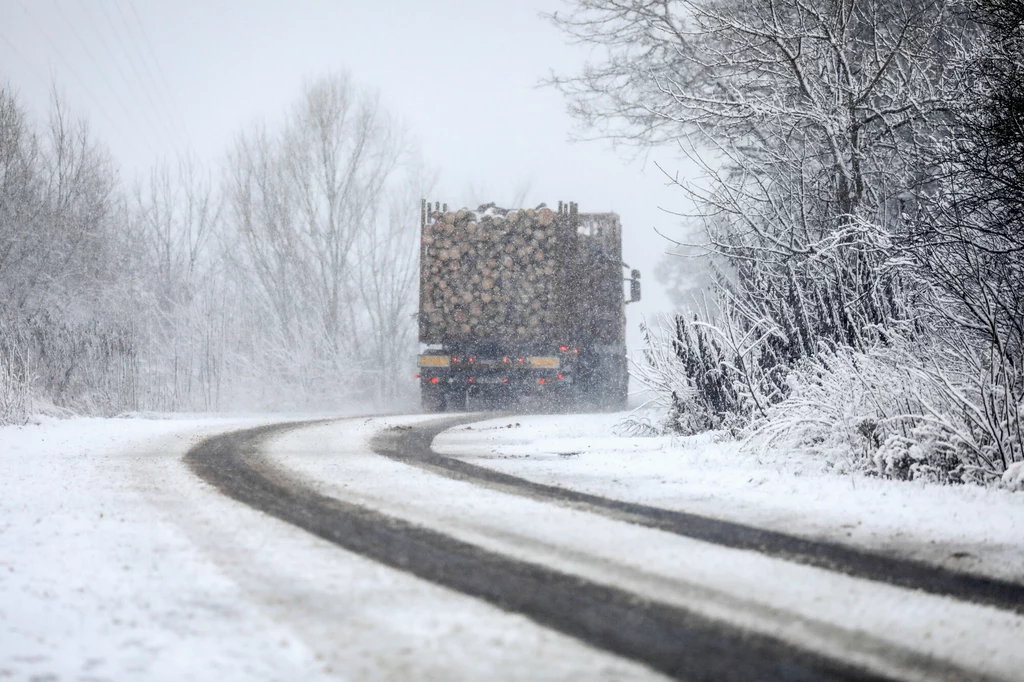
<point>969,231</point>
<point>317,232</point>
<point>837,222</point>
<point>810,118</point>
<point>63,262</point>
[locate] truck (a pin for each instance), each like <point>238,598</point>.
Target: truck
<point>523,304</point>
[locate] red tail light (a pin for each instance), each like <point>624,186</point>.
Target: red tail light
<point>576,351</point>
<point>504,381</point>
<point>471,359</point>
<point>520,359</point>
<point>563,348</point>
<point>505,360</point>
<point>471,380</point>
<point>540,381</point>
<point>415,376</point>
<point>455,359</point>
<point>433,380</point>
<point>559,376</point>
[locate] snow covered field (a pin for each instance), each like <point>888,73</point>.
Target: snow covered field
<point>964,527</point>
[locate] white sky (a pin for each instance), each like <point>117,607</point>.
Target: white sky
<point>156,78</point>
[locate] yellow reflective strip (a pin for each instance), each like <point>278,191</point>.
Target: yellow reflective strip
<point>544,362</point>
<point>434,361</point>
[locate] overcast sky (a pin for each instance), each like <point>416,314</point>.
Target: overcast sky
<point>158,77</point>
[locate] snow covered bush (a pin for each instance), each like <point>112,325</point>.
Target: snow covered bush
<point>1013,477</point>
<point>686,375</point>
<point>15,388</point>
<point>862,192</point>
<point>904,410</point>
<point>709,375</point>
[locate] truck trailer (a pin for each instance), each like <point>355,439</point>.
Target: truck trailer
<point>520,304</point>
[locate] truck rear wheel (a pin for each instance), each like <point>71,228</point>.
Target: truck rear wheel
<point>455,401</point>
<point>431,399</point>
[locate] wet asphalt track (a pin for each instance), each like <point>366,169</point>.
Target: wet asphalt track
<point>671,640</point>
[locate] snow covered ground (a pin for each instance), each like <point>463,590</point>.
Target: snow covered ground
<point>97,580</point>
<point>117,563</point>
<point>964,527</point>
<point>893,630</point>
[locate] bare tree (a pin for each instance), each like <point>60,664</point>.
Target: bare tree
<point>340,151</point>
<point>809,117</point>
<point>62,257</point>
<point>176,219</point>
<point>387,257</point>
<point>969,231</point>
<point>177,211</point>
<point>20,194</point>
<point>816,123</point>
<point>262,204</point>
<point>327,252</point>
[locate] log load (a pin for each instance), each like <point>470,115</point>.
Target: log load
<point>493,275</point>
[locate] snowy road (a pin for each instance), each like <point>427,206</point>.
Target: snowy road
<point>347,549</point>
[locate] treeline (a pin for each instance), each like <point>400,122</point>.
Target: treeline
<point>862,202</point>
<point>287,281</point>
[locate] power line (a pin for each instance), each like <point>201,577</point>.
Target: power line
<point>110,54</point>
<point>162,114</point>
<point>179,118</point>
<point>103,74</point>
<point>23,58</point>
<point>117,37</point>
<point>74,73</point>
<point>116,61</point>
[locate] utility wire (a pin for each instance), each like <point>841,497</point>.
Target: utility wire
<point>74,73</point>
<point>149,98</point>
<point>23,58</point>
<point>132,119</point>
<point>178,117</point>
<point>117,62</point>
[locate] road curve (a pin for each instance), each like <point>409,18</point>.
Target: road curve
<point>413,446</point>
<point>671,640</point>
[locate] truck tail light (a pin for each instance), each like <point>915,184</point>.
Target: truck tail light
<point>576,351</point>
<point>433,380</point>
<point>563,348</point>
<point>471,380</point>
<point>540,381</point>
<point>559,376</point>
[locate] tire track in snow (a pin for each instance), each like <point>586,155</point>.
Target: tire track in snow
<point>671,640</point>
<point>413,446</point>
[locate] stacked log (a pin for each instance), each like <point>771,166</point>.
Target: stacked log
<point>493,275</point>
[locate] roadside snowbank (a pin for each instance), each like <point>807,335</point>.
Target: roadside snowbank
<point>964,527</point>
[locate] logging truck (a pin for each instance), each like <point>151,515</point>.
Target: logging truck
<point>519,304</point>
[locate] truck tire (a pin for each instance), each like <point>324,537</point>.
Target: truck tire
<point>431,399</point>
<point>455,401</point>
